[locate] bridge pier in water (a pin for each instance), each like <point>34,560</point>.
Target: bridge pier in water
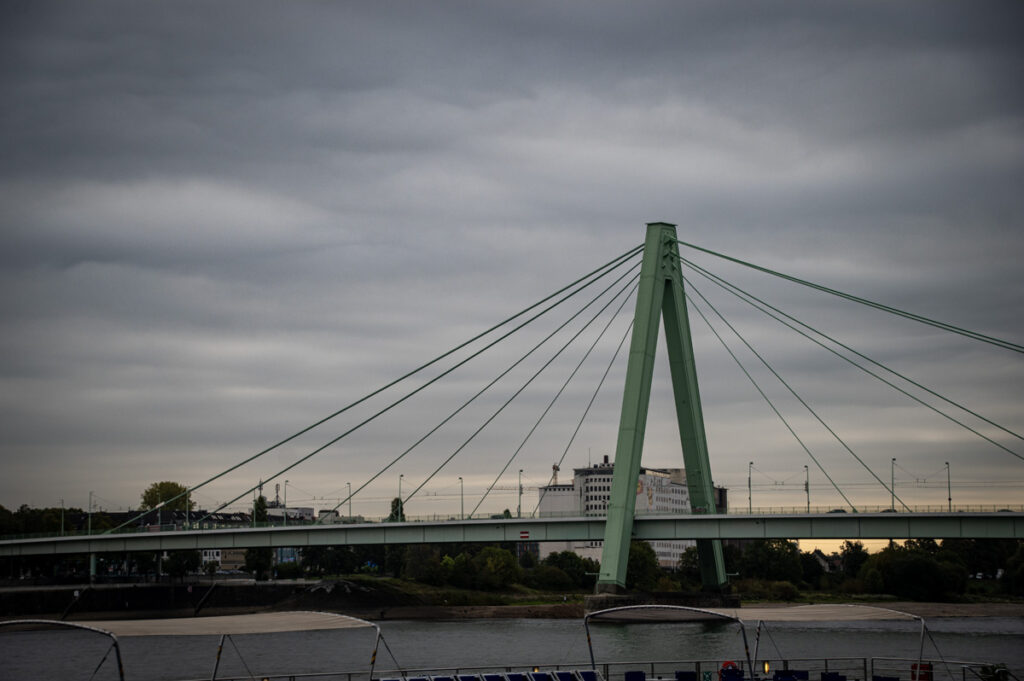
<point>660,295</point>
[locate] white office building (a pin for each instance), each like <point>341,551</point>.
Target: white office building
<point>658,491</point>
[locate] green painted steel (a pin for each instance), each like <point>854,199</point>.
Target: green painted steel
<point>660,294</point>
<point>837,526</point>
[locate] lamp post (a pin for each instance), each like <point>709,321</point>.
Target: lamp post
<point>462,499</point>
<point>807,487</point>
<point>750,494</point>
<point>62,517</point>
<point>519,505</point>
<point>88,522</point>
<point>187,518</point>
<point>286,503</point>
<point>349,501</point>
<point>892,484</point>
<point>949,488</point>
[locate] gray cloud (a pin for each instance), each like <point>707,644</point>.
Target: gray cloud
<point>224,222</point>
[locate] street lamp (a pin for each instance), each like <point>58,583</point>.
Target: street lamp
<point>807,487</point>
<point>750,494</point>
<point>62,517</point>
<point>519,506</point>
<point>892,484</point>
<point>286,503</point>
<point>88,523</point>
<point>349,500</point>
<point>949,488</point>
<point>462,499</point>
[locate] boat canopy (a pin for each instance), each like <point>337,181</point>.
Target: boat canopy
<point>233,625</point>
<point>795,613</point>
<point>742,616</point>
<point>224,626</point>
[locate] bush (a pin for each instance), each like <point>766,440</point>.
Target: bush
<point>784,591</point>
<point>548,578</point>
<point>288,570</point>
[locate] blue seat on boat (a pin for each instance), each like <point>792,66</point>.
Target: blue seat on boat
<point>442,678</point>
<point>540,676</point>
<point>588,675</point>
<point>417,678</point>
<point>832,676</point>
<point>494,677</point>
<point>636,675</point>
<point>686,675</point>
<point>563,675</point>
<point>731,674</point>
<point>515,676</point>
<point>466,677</point>
<point>791,675</point>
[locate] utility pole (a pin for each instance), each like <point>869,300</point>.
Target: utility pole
<point>62,517</point>
<point>286,503</point>
<point>519,506</point>
<point>349,501</point>
<point>401,511</point>
<point>187,504</point>
<point>88,522</point>
<point>750,493</point>
<point>892,484</point>
<point>462,499</point>
<point>949,488</point>
<point>807,487</point>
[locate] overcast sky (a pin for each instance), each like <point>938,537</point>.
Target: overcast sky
<point>224,221</point>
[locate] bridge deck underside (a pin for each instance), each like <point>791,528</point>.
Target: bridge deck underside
<point>826,526</point>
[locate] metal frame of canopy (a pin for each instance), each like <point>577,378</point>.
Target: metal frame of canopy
<point>800,613</point>
<point>224,626</point>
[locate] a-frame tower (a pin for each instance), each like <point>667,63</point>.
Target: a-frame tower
<point>660,295</point>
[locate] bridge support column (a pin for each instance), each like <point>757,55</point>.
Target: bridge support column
<point>660,295</point>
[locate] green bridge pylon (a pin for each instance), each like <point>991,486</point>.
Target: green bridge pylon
<point>660,294</point>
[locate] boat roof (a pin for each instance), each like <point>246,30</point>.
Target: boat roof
<point>791,613</point>
<point>256,623</point>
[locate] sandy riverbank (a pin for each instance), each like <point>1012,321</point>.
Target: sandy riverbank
<point>575,611</point>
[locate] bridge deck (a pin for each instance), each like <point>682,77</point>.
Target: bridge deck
<point>999,525</point>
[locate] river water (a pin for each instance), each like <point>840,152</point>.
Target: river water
<point>69,654</point>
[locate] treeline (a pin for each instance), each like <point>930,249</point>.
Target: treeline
<point>918,569</point>
<point>27,520</point>
<point>467,566</point>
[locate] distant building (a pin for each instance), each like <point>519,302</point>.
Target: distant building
<point>658,491</point>
<point>296,514</point>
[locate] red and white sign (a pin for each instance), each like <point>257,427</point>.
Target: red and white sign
<point>524,534</point>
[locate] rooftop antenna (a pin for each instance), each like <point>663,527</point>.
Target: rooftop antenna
<point>554,474</point>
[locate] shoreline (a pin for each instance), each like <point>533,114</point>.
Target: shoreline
<point>928,611</point>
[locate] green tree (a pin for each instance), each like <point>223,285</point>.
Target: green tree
<point>581,571</point>
<point>259,509</point>
<point>642,569</point>
<point>397,511</point>
<point>260,560</point>
<point>180,563</point>
<point>811,569</point>
<point>496,568</point>
<point>159,492</point>
<point>853,557</point>
<point>423,564</point>
<point>773,559</point>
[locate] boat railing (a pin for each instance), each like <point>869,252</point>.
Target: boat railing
<point>766,669</point>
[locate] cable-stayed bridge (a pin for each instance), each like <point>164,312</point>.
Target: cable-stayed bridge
<point>651,276</point>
